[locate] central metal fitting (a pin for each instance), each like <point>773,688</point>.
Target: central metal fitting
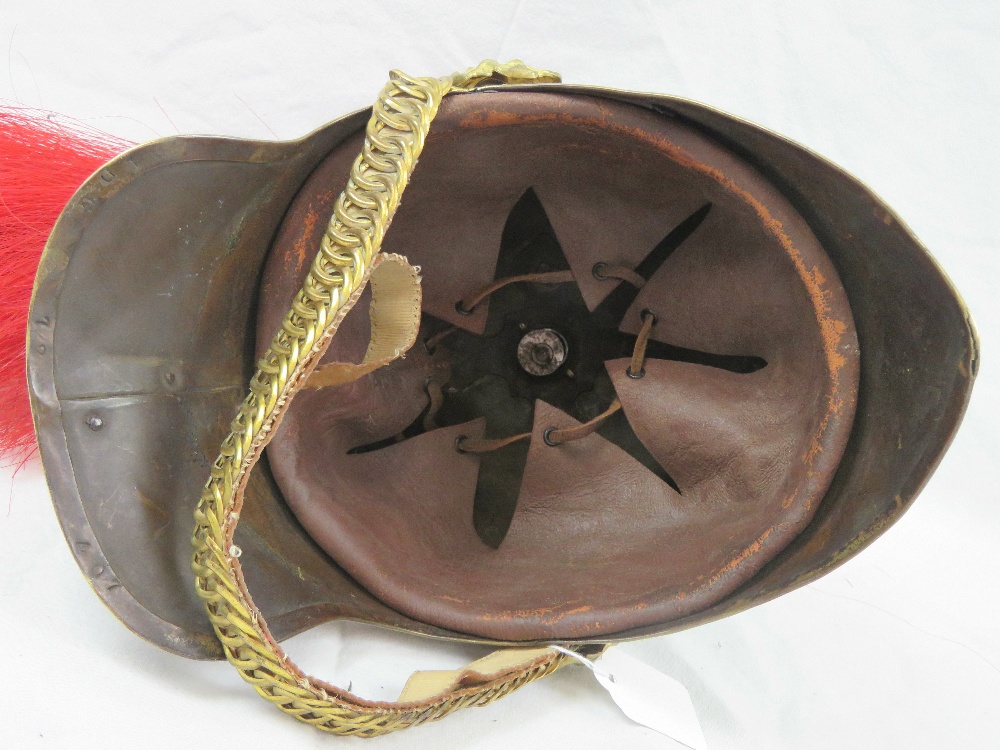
<point>542,351</point>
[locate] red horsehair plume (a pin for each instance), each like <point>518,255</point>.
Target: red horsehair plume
<point>44,158</point>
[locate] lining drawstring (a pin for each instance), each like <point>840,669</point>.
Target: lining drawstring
<point>465,444</point>
<point>553,436</point>
<point>430,344</point>
<point>605,271</point>
<point>466,305</point>
<point>637,367</point>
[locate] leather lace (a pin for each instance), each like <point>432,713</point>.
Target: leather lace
<point>466,305</point>
<point>552,436</point>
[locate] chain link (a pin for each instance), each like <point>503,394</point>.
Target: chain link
<point>394,139</point>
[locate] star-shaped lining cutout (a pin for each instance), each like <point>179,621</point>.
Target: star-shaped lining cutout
<point>486,379</point>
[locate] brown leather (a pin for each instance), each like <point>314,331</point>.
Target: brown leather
<point>598,543</point>
<point>166,385</point>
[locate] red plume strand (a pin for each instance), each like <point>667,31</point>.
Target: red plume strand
<point>44,158</point>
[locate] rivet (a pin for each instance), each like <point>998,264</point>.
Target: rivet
<point>94,422</point>
<point>541,352</point>
<point>41,349</point>
<point>170,378</point>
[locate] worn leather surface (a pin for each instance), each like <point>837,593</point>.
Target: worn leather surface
<point>598,543</point>
<point>124,494</point>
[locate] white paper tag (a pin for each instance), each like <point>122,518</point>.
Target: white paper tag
<point>646,695</point>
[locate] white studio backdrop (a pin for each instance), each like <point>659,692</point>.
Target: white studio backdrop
<point>899,648</point>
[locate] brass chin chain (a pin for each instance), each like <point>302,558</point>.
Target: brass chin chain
<point>394,139</point>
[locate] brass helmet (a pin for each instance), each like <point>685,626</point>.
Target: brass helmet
<point>630,364</point>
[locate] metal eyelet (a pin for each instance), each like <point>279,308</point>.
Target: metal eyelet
<point>598,271</point>
<point>641,373</point>
<point>547,439</point>
<point>458,444</point>
<point>646,311</point>
<point>461,309</point>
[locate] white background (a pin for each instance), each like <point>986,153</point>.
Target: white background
<point>900,648</point>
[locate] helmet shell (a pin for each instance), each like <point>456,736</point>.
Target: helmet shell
<point>144,324</point>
